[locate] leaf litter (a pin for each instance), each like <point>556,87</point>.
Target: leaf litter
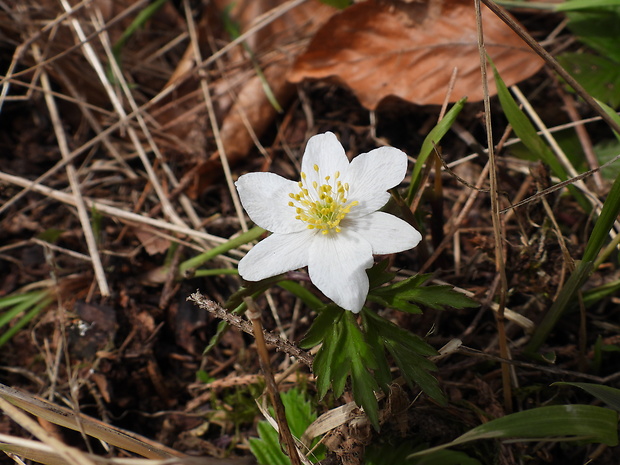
<point>135,360</point>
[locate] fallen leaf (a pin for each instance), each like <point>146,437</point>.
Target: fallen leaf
<point>152,243</point>
<point>250,112</point>
<point>380,48</point>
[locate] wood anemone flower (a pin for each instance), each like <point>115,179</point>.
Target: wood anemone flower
<point>329,220</point>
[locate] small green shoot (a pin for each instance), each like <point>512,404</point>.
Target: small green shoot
<point>300,415</point>
<point>16,311</point>
<point>432,139</point>
<point>141,19</point>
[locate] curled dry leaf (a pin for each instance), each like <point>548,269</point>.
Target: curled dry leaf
<point>242,104</point>
<point>409,50</point>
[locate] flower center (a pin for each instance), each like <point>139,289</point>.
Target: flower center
<point>322,206</point>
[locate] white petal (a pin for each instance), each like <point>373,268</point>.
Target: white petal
<point>324,151</point>
<point>386,233</point>
<point>276,254</point>
<point>265,197</point>
<point>337,264</point>
<point>371,174</point>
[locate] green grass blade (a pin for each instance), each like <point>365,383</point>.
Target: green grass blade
<point>6,336</point>
<point>607,394</point>
<point>609,213</point>
<point>433,138</point>
<point>136,24</point>
<point>234,31</point>
<point>20,303</point>
<point>571,5</point>
<point>556,422</point>
<point>612,114</point>
<point>14,299</point>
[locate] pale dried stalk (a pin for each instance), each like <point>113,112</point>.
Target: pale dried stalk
<point>109,210</point>
<point>183,199</point>
<point>63,146</point>
<point>497,227</point>
<point>213,119</point>
<point>70,454</point>
<point>94,61</point>
<point>263,355</point>
<point>280,344</point>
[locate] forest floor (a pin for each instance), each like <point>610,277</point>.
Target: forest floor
<point>120,141</point>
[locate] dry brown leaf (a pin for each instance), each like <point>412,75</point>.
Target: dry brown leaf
<point>152,243</point>
<point>281,40</point>
<point>391,48</point>
<point>275,47</point>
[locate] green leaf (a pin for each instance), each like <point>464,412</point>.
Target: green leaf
<point>612,114</point>
<point>564,300</point>
<point>409,352</point>
<point>595,295</point>
<point>599,75</point>
<point>553,423</point>
<point>606,151</point>
<point>363,383</point>
<point>267,449</point>
<point>389,454</point>
<point>408,294</point>
<point>378,276</point>
<point>321,325</point>
<point>323,361</point>
<point>607,394</point>
<point>609,213</point>
<point>23,308</point>
<point>598,28</point>
<point>24,320</point>
<point>571,5</point>
<point>345,353</point>
<point>143,16</point>
<point>433,138</point>
<point>383,373</point>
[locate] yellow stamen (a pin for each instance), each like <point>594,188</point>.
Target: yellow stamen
<point>322,206</point>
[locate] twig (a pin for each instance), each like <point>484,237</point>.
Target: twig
<point>280,344</point>
<point>70,454</point>
<point>263,355</point>
<point>63,146</point>
<point>551,61</point>
<point>559,185</point>
<point>499,257</point>
<point>108,209</point>
<point>212,117</point>
<point>95,62</point>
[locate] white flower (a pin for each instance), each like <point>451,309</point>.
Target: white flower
<point>328,221</point>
